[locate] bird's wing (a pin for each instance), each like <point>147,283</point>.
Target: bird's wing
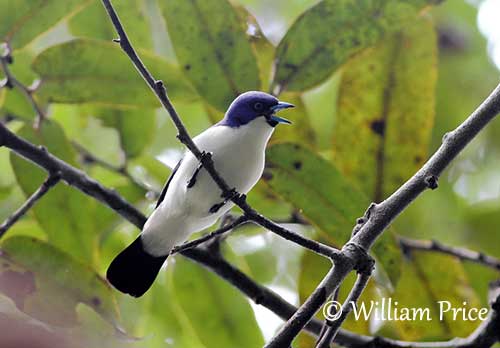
<point>165,188</point>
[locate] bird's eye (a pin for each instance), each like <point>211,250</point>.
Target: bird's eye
<point>258,106</point>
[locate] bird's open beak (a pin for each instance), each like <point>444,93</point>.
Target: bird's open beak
<point>278,107</point>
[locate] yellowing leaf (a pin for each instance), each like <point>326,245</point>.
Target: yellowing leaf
<point>427,279</point>
<point>331,32</point>
<point>213,49</point>
<point>386,110</point>
<point>325,197</point>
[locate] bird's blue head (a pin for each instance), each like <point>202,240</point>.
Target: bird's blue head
<point>251,105</point>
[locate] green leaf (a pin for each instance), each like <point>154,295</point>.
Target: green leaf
<point>325,197</point>
<point>426,279</point>
<point>14,101</point>
<point>156,171</point>
<point>213,49</point>
<point>263,49</point>
<point>386,110</point>
<point>321,106</point>
<point>135,127</point>
<point>160,320</point>
<point>217,314</point>
<point>300,131</point>
<point>7,179</point>
<point>51,282</point>
<point>309,53</point>
<point>2,97</point>
<point>93,71</point>
<point>93,22</point>
<point>68,217</point>
<point>21,21</point>
<point>315,186</point>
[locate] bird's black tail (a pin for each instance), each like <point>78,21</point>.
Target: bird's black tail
<point>133,271</point>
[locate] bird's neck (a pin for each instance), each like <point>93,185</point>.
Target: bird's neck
<point>257,132</point>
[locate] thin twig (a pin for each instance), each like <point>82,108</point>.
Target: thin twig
<point>39,193</point>
<point>351,254</point>
<point>121,170</point>
<point>460,253</point>
<point>5,60</point>
<point>334,327</point>
<point>227,192</point>
<point>71,175</point>
<point>224,229</point>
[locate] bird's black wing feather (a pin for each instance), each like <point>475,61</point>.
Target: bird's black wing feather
<point>165,188</point>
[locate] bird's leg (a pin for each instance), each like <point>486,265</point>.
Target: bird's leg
<point>192,181</point>
<point>215,208</point>
<point>229,195</point>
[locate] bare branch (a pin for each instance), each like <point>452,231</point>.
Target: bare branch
<point>217,233</point>
<point>259,294</point>
<point>334,327</point>
<point>381,215</point>
<point>409,244</point>
<point>482,337</point>
<point>207,162</point>
<point>39,193</point>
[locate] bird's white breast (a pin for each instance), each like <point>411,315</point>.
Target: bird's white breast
<point>238,155</point>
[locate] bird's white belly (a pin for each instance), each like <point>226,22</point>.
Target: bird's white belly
<point>237,157</point>
<point>240,166</point>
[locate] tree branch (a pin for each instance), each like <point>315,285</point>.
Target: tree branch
<point>351,300</point>
<point>259,294</point>
<point>379,216</point>
<point>71,175</point>
<point>227,192</point>
<point>39,193</point>
<point>224,229</point>
<point>352,256</point>
<point>408,244</point>
<point>480,338</point>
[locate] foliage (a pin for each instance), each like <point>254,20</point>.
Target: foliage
<point>376,83</point>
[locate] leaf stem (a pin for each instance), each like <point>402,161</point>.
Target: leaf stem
<point>11,81</point>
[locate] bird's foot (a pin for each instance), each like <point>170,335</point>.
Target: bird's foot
<point>192,181</point>
<point>215,208</point>
<point>229,195</point>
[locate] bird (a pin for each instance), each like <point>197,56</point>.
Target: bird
<point>191,201</point>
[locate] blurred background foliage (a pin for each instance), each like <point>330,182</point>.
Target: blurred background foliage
<point>376,84</point>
